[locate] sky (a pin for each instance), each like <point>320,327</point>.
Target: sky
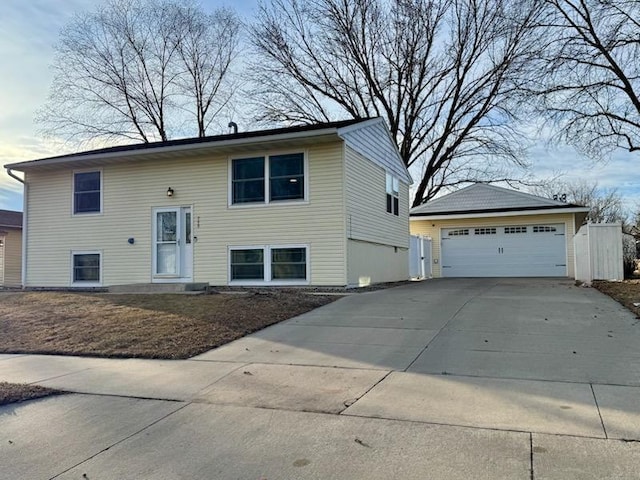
<point>29,31</point>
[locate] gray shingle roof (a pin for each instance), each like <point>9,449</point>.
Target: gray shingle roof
<point>481,197</point>
<point>9,218</point>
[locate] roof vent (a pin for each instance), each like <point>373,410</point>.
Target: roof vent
<point>234,125</point>
<point>562,198</point>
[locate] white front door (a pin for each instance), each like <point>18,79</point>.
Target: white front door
<point>172,245</point>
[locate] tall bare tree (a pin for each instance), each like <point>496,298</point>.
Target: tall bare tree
<point>140,70</point>
<point>588,79</point>
<point>441,72</point>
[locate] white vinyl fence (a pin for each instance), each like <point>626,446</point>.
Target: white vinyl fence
<point>598,252</point>
<point>419,257</point>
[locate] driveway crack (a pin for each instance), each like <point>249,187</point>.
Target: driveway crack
<point>604,429</point>
<point>120,441</point>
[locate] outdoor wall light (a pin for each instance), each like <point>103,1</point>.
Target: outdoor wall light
<point>169,192</point>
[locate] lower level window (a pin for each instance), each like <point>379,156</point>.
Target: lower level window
<point>264,264</point>
<point>86,267</point>
<point>288,264</point>
<point>247,264</point>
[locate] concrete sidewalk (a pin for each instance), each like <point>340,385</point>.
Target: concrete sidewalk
<point>460,379</point>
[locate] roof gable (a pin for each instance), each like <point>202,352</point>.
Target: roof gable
<point>373,140</point>
<point>481,197</point>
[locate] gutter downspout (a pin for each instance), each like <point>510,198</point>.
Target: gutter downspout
<point>23,273</point>
<point>14,176</point>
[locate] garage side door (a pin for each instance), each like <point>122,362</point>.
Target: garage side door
<point>504,251</point>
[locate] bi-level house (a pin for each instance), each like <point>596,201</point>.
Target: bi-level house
<point>319,205</point>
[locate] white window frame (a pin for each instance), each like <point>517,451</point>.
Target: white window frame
<point>267,265</point>
<point>395,195</point>
<point>267,184</point>
<point>73,192</point>
<point>75,283</point>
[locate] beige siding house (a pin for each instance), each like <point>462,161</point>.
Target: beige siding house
<point>312,205</point>
<point>489,231</point>
<point>10,248</point>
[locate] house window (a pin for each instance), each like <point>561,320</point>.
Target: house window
<point>86,267</point>
<point>485,231</point>
<point>247,264</point>
<point>288,263</point>
<point>268,264</point>
<point>393,202</point>
<point>86,192</point>
<point>268,179</point>
<point>248,180</point>
<point>458,233</point>
<point>511,230</point>
<point>543,229</point>
<point>286,177</point>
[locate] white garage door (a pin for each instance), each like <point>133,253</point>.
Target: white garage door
<point>504,251</point>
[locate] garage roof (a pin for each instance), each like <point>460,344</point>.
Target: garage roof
<point>481,198</point>
<point>9,218</point>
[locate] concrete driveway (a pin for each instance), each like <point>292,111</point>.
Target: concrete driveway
<point>459,378</point>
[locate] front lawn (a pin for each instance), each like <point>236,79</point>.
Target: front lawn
<point>627,292</point>
<point>166,326</point>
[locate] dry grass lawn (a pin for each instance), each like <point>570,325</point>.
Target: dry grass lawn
<point>166,326</point>
<point>19,392</point>
<point>627,292</point>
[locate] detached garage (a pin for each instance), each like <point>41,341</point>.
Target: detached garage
<point>489,231</point>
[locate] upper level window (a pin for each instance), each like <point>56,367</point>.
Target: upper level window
<point>86,192</point>
<point>286,177</point>
<point>393,202</point>
<point>268,179</point>
<point>248,180</point>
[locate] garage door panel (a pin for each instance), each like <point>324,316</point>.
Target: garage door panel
<point>504,251</point>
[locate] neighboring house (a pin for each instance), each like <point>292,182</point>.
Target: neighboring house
<point>487,231</point>
<point>321,205</point>
<point>10,248</point>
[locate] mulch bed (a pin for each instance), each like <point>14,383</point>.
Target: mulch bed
<point>626,292</point>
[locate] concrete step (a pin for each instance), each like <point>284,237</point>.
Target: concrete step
<point>160,288</point>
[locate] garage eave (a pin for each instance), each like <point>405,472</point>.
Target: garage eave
<point>416,217</point>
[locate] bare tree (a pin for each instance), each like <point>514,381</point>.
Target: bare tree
<point>606,205</point>
<point>588,79</point>
<point>441,72</point>
<point>208,46</point>
<point>122,71</point>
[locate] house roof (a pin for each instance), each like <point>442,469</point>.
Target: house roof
<point>197,143</point>
<point>10,219</point>
<point>481,198</point>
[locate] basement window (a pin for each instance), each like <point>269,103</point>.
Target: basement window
<point>86,268</point>
<point>269,264</point>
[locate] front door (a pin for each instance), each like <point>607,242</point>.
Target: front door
<point>173,253</point>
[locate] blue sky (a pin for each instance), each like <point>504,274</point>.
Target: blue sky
<point>27,37</point>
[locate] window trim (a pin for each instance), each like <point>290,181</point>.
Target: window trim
<point>266,154</point>
<point>75,283</point>
<point>395,197</point>
<point>266,281</point>
<point>73,192</point>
